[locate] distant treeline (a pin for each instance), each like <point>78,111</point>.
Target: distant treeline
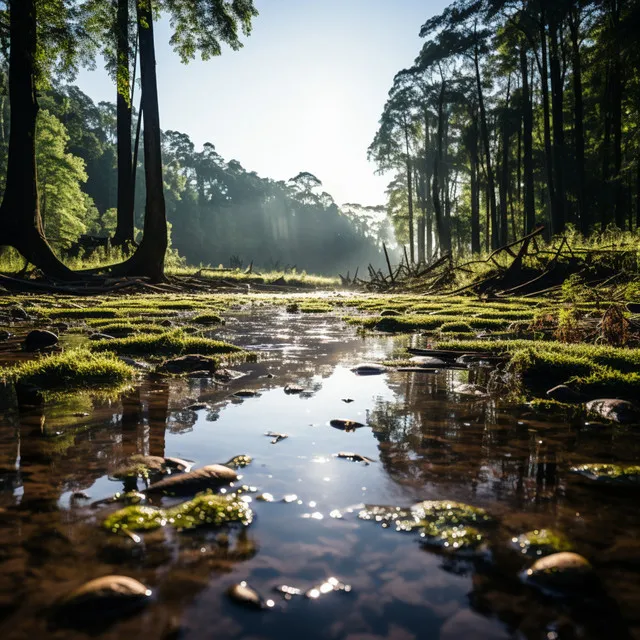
<point>218,211</point>
<point>515,113</point>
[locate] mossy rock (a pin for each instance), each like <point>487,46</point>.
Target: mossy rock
<point>456,327</point>
<point>456,539</point>
<point>207,318</point>
<point>136,518</point>
<point>386,313</point>
<point>205,509</point>
<point>561,571</point>
<point>609,473</point>
<point>541,542</point>
<point>451,514</point>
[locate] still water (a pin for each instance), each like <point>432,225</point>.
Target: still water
<point>425,441</point>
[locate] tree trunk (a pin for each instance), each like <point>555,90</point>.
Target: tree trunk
<point>544,81</point>
<point>616,114</point>
<point>527,143</point>
<point>148,260</point>
<point>504,171</point>
<point>491,188</point>
<point>20,220</point>
<point>422,203</point>
<point>125,228</point>
<point>578,115</point>
<point>410,205</point>
<point>475,191</point>
<point>559,217</point>
<point>444,231</point>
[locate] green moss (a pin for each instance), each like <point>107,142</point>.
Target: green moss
<point>609,472</point>
<point>170,343</point>
<point>207,318</point>
<point>458,538</point>
<point>449,514</point>
<point>73,369</point>
<point>314,307</point>
<point>121,327</point>
<point>541,542</point>
<point>73,313</point>
<point>410,323</point>
<point>136,518</point>
<point>206,509</point>
<point>456,327</point>
<point>555,408</point>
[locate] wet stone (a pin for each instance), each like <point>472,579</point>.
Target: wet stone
<point>209,477</point>
<point>238,462</point>
<point>369,369</point>
<point>40,339</point>
<point>198,406</point>
<point>541,542</point>
<point>427,361</point>
<point>101,336</point>
<point>134,363</point>
<point>609,473</point>
<point>18,313</point>
<point>614,410</point>
<point>246,393</point>
<point>346,425</point>
<point>293,389</point>
<point>277,437</point>
<point>564,570</point>
<point>244,595</point>
<point>188,364</point>
<point>109,595</point>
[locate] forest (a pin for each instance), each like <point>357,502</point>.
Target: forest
<point>88,184</point>
<point>514,114</point>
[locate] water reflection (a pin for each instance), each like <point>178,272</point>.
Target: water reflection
<point>425,440</point>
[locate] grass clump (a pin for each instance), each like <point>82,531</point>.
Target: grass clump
<point>73,369</point>
<point>80,314</point>
<point>169,343</point>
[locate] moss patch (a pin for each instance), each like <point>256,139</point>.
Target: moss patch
<point>73,369</point>
<point>170,343</point>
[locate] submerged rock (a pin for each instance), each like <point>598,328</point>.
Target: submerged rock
<point>564,570</point>
<point>205,509</point>
<point>209,477</point>
<point>188,364</point>
<point>369,369</point>
<point>450,513</point>
<point>40,339</point>
<point>139,466</point>
<point>243,594</point>
<point>346,425</point>
<point>109,595</point>
<point>614,410</point>
<point>473,390</point>
<point>238,462</point>
<point>293,389</point>
<point>563,393</point>
<point>541,542</point>
<point>458,539</point>
<point>198,406</point>
<point>608,473</point>
<point>245,393</point>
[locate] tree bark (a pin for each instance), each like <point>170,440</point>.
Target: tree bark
<point>475,191</point>
<point>148,260</point>
<point>409,191</point>
<point>491,188</point>
<point>559,217</point>
<point>578,116</point>
<point>527,144</point>
<point>504,171</point>
<point>125,226</point>
<point>20,219</point>
<point>616,114</point>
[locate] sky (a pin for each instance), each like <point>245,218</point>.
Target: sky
<point>305,93</point>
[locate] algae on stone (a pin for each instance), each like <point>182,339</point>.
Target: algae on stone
<point>541,542</point>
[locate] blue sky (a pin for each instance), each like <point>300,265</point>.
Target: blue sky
<point>304,94</point>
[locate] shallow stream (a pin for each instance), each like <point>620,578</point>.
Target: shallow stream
<point>425,441</point>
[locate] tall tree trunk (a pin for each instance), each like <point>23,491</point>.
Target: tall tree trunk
<point>410,205</point>
<point>475,191</point>
<point>20,220</point>
<point>491,188</point>
<point>125,229</point>
<point>422,203</point>
<point>504,171</point>
<point>578,116</point>
<point>527,143</point>
<point>559,218</point>
<point>444,230</point>
<point>148,260</point>
<point>616,113</point>
<point>544,82</point>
